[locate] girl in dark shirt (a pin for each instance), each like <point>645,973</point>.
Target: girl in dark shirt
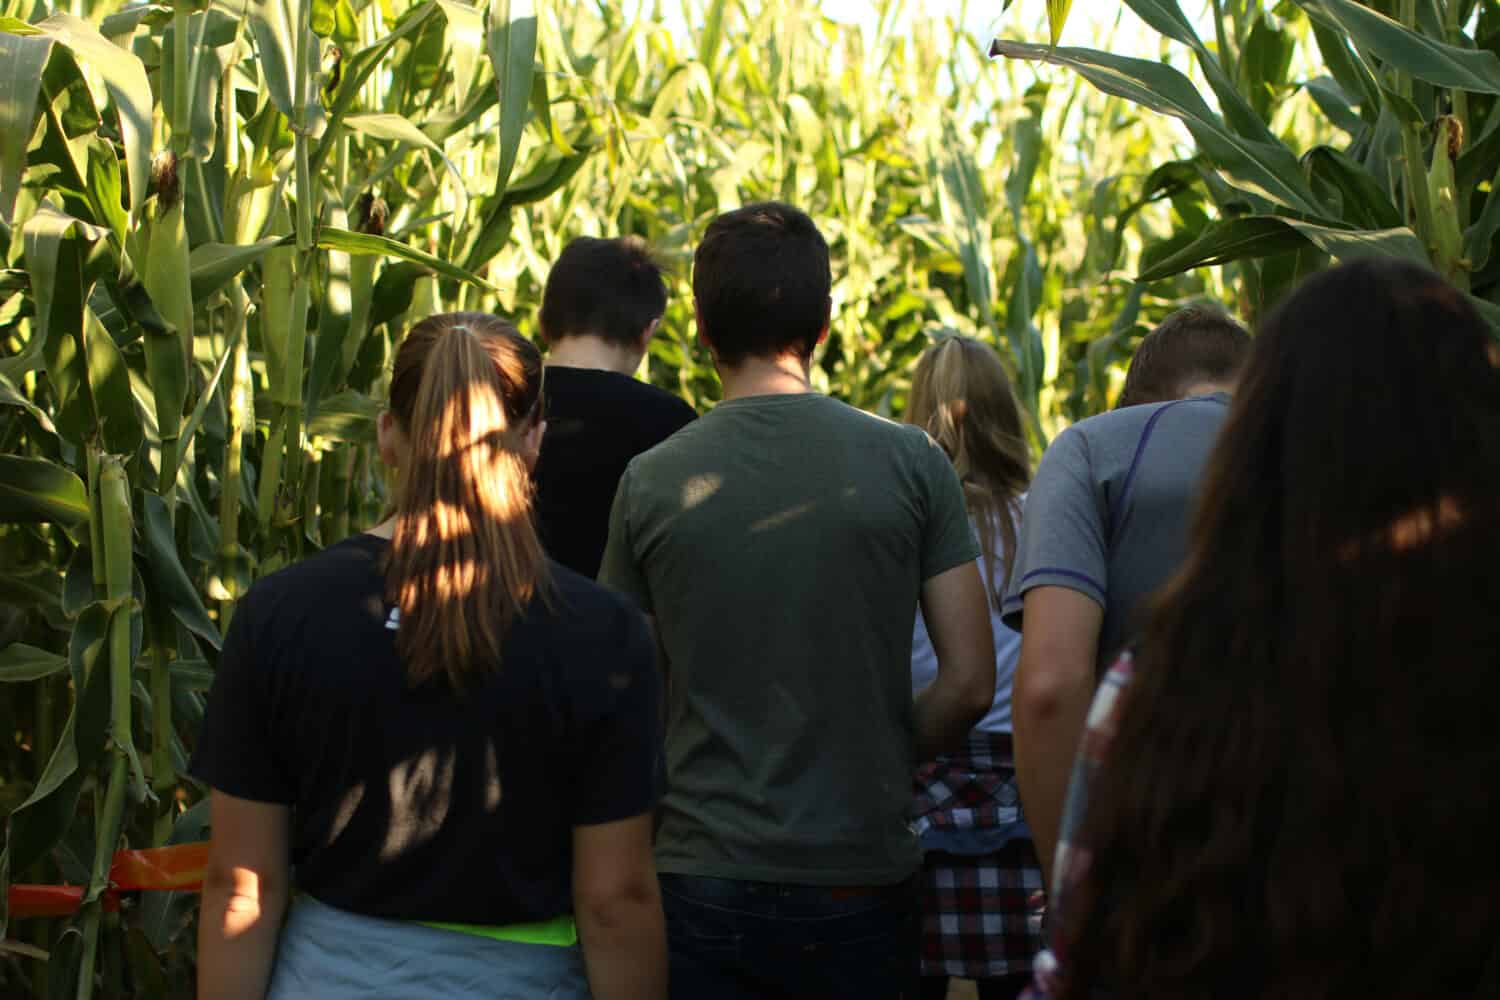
<point>452,739</point>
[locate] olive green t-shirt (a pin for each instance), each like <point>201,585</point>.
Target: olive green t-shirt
<point>781,543</point>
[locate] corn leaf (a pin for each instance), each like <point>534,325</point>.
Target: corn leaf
<point>9,396</point>
<point>394,128</point>
<point>20,662</point>
<point>713,32</point>
<point>166,581</point>
<point>205,71</point>
<point>1166,16</point>
<point>358,70</point>
<point>1265,169</point>
<point>1479,241</point>
<point>347,416</point>
<point>1057,16</point>
<point>125,79</point>
<point>22,59</point>
<point>1335,104</point>
<point>40,821</point>
<point>366,243</point>
<point>1348,69</point>
<point>1361,200</point>
<point>273,25</point>
<point>214,265</point>
<point>465,44</point>
<point>83,363</point>
<point>511,40</point>
<point>1425,58</point>
<point>35,490</point>
<point>1264,235</point>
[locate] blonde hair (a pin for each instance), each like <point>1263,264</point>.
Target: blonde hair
<point>465,560</point>
<point>961,395</point>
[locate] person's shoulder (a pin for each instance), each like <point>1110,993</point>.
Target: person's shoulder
<point>665,402</point>
<point>906,443</point>
<point>1131,419</point>
<point>875,426</point>
<point>589,611</point>
<point>602,381</point>
<point>583,597</point>
<point>351,559</point>
<point>303,587</point>
<point>662,414</point>
<point>683,441</point>
<point>1104,433</point>
<point>1125,420</point>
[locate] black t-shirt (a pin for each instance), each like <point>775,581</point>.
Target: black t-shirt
<point>597,421</point>
<point>420,804</point>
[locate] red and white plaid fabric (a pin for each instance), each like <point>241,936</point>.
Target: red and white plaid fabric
<point>1070,864</point>
<point>981,915</point>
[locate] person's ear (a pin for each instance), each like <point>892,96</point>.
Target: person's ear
<point>531,442</point>
<point>827,321</point>
<point>703,330</point>
<point>390,439</point>
<point>648,333</point>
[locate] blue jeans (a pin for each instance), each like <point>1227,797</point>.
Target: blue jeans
<point>734,940</point>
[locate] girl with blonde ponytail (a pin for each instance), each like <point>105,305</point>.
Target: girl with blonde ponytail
<point>979,866</point>
<point>453,739</point>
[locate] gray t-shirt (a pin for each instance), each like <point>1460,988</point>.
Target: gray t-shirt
<point>1109,509</point>
<point>781,542</point>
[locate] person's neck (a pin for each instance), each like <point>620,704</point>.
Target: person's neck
<point>1207,388</point>
<point>783,376</point>
<point>589,351</point>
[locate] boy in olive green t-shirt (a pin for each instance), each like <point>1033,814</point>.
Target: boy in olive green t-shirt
<point>782,544</point>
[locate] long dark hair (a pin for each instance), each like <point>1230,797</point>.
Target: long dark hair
<point>465,560</point>
<point>1300,800</point>
<point>961,395</point>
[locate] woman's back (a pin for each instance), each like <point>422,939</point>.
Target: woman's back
<point>1299,794</point>
<point>418,803</point>
<point>452,741</point>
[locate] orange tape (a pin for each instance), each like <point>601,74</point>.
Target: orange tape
<point>179,866</point>
<point>156,869</point>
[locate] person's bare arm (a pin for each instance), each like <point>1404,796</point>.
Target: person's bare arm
<point>956,610</point>
<point>245,894</point>
<point>1050,704</point>
<point>617,905</point>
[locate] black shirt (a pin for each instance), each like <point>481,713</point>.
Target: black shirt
<point>597,421</point>
<point>420,804</point>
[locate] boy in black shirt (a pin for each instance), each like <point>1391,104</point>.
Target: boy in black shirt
<point>604,300</point>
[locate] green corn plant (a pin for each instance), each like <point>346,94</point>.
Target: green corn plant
<point>1400,165</point>
<point>163,251</point>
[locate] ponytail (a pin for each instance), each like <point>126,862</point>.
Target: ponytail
<point>465,560</point>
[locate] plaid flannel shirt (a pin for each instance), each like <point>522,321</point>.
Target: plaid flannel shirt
<point>1071,862</point>
<point>971,789</point>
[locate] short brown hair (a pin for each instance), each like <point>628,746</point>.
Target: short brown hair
<point>611,289</point>
<point>761,280</point>
<point>1195,344</point>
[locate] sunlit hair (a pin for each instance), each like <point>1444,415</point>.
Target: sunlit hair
<point>465,560</point>
<point>961,395</point>
<point>1300,800</point>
